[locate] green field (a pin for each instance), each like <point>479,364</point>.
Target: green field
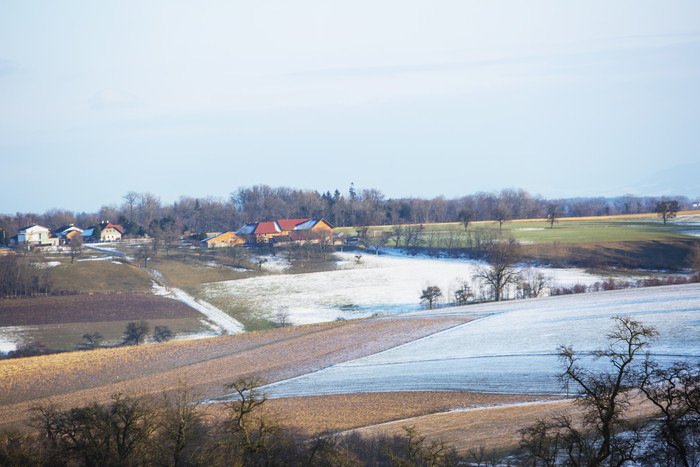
<point>539,232</point>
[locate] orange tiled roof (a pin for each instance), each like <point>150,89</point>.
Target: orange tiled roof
<point>289,224</point>
<point>267,228</point>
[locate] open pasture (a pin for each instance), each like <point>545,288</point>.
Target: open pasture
<point>638,228</point>
<point>99,276</point>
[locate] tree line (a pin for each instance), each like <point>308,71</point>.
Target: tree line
<point>144,212</point>
<point>23,275</point>
<point>178,430</point>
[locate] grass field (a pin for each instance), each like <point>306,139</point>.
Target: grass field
<point>100,277</point>
<point>639,228</point>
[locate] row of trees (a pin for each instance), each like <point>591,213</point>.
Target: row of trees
<point>176,431</point>
<point>503,275</point>
<point>23,275</point>
<point>144,212</point>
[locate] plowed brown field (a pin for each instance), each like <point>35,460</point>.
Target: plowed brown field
<point>76,378</point>
<point>90,308</point>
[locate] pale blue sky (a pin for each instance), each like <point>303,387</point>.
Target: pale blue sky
<point>414,98</point>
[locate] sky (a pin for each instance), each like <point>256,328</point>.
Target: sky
<point>413,98</point>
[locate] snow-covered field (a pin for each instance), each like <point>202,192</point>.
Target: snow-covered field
<point>385,284</point>
<point>513,349</point>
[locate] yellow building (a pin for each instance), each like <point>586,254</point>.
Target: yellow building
<point>225,239</point>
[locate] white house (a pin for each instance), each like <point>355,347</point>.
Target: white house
<point>33,235</point>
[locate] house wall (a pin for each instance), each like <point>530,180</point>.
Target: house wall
<point>110,234</point>
<point>34,236</point>
<point>225,240</point>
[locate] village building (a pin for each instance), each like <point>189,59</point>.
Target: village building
<point>286,230</point>
<point>33,235</point>
<point>222,240</point>
<point>108,232</point>
<point>65,233</point>
<point>312,230</point>
<point>111,232</point>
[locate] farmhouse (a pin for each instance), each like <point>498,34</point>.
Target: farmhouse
<point>259,232</point>
<point>108,232</point>
<point>224,239</point>
<point>33,235</point>
<point>312,229</point>
<point>111,232</point>
<point>285,230</point>
<point>66,233</point>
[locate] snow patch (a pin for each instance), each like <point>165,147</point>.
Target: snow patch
<point>377,284</point>
<point>159,290</point>
<point>274,264</point>
<point>221,319</point>
<point>514,348</point>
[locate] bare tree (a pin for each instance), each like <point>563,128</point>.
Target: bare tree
<point>130,200</point>
<point>144,252</point>
<point>136,332</point>
<point>377,239</point>
<point>92,340</point>
<point>76,247</point>
<point>396,234</point>
<point>503,212</point>
<point>430,295</point>
<point>281,318</point>
<point>667,209</point>
<point>501,256</point>
<point>533,283</point>
<point>675,391</point>
<point>552,214</point>
<point>463,294</point>
<point>180,427</point>
<point>162,334</point>
<point>465,217</point>
<point>604,396</point>
<point>250,435</point>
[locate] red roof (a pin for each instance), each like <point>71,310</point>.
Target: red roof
<point>116,226</point>
<point>289,224</point>
<point>267,228</point>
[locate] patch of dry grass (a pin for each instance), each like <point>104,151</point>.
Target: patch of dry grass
<point>99,277</point>
<point>338,412</point>
<point>206,365</point>
<point>493,428</point>
<point>194,270</point>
